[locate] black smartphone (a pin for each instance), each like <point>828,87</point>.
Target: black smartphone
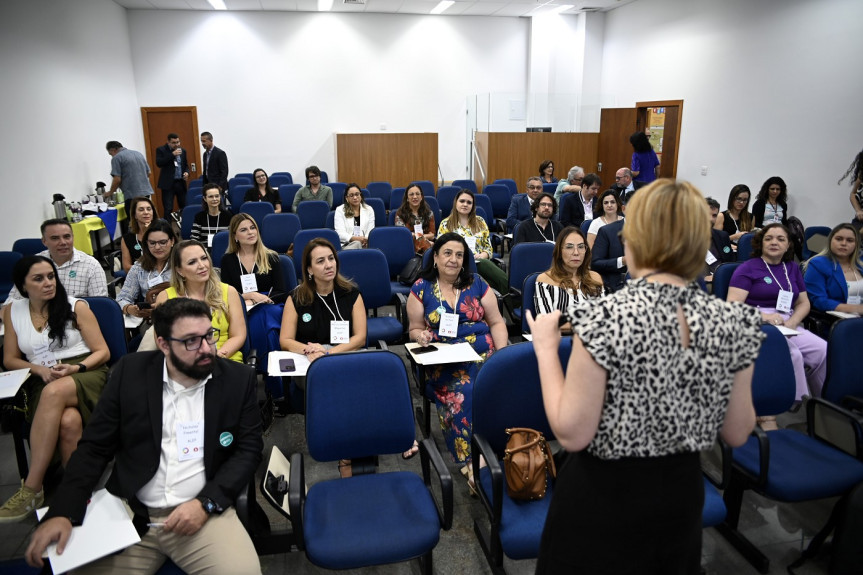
<point>145,305</point>
<point>287,365</point>
<point>421,350</point>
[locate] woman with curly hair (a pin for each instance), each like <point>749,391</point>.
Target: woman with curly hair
<point>855,170</point>
<point>771,205</point>
<point>416,215</point>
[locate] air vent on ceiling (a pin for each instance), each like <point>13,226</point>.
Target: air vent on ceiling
<point>362,2</point>
<point>591,9</point>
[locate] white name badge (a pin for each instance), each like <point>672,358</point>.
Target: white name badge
<point>418,230</point>
<point>471,243</point>
<point>190,440</point>
<point>210,240</point>
<point>358,232</point>
<point>710,258</point>
<point>854,299</point>
<point>448,325</point>
<point>783,301</point>
<point>248,283</point>
<point>153,282</point>
<point>43,356</point>
<point>340,332</point>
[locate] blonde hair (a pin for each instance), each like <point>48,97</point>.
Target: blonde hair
<point>668,228</point>
<point>262,253</point>
<point>213,290</point>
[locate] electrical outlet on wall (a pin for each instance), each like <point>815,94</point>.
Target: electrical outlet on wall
<point>704,170</point>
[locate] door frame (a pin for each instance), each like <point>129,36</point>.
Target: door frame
<point>192,153</point>
<point>641,113</point>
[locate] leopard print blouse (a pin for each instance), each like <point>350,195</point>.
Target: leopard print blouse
<point>662,398</point>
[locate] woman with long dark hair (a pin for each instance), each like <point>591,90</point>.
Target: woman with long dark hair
<point>645,163</point>
<point>151,270</point>
<point>736,219</point>
<point>416,215</point>
<point>58,339</point>
<point>262,191</point>
<point>771,205</point>
<point>143,213</point>
<point>546,172</point>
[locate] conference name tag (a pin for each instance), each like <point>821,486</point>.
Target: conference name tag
<point>783,301</point>
<point>339,331</point>
<point>448,325</point>
<point>471,243</point>
<point>710,259</point>
<point>190,440</point>
<point>43,356</point>
<point>248,283</point>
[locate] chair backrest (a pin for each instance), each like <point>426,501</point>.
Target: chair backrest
<point>28,246</point>
<point>434,205</point>
<point>549,188</point>
<point>278,231</point>
<point>289,274</point>
<point>236,195</point>
<point>773,385</point>
<point>287,193</point>
<point>344,420</point>
<point>426,186</point>
<point>381,190</point>
<point>196,198</point>
<point>396,198</point>
<point>219,247</point>
<point>722,279</point>
<point>527,303</point>
<point>466,185</point>
<point>282,174</point>
<point>396,244</point>
<point>471,262</point>
<point>844,361</point>
<point>325,178</point>
<point>380,209</point>
<point>509,183</point>
<point>7,262</point>
<point>445,197</point>
<point>305,236</point>
<point>500,197</point>
<point>312,214</point>
<point>240,180</point>
<point>331,220</point>
<point>110,318</point>
<point>585,225</point>
<point>481,213</point>
<point>188,218</point>
<point>814,240</point>
<point>258,210</point>
<point>248,175</point>
<point>507,393</point>
<point>338,189</point>
<point>280,180</point>
<point>484,202</point>
<point>370,271</point>
<point>527,258</point>
<point>744,247</point>
<point>196,184</point>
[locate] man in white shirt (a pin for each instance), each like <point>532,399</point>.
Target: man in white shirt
<point>183,428</point>
<point>80,274</point>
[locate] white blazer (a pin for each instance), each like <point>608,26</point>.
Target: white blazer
<point>345,226</point>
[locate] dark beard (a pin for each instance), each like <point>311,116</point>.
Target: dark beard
<point>193,370</point>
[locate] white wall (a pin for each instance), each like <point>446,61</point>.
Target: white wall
<point>770,87</point>
<point>68,88</point>
<point>274,87</point>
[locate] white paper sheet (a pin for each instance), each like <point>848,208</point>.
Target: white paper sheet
<point>107,528</point>
<point>301,363</point>
<point>787,331</point>
<point>10,381</point>
<point>842,314</point>
<point>131,322</point>
<point>446,353</point>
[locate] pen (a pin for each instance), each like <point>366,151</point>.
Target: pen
<point>156,525</point>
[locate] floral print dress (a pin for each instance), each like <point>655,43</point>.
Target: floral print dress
<point>453,382</point>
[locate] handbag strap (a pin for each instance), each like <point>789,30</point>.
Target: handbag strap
<point>538,439</point>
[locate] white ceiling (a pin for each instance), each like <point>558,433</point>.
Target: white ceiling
<point>512,8</point>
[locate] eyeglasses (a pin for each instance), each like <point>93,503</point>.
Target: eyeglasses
<point>314,176</point>
<point>160,243</point>
<point>194,343</point>
<point>260,176</point>
<point>576,180</point>
<point>546,205</point>
<point>741,200</point>
<point>577,247</point>
<point>354,195</point>
<point>534,187</point>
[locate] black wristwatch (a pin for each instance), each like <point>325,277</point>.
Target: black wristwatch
<point>82,367</point>
<point>209,505</point>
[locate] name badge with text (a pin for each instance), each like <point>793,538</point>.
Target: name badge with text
<point>448,325</point>
<point>339,332</point>
<point>190,440</point>
<point>783,301</point>
<point>248,283</point>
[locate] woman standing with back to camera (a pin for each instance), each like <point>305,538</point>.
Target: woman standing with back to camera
<point>693,377</point>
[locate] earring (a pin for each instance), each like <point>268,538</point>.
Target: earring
<point>310,275</point>
<point>435,265</point>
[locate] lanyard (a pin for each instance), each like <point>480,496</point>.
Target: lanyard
<point>209,227</point>
<point>158,275</point>
<point>440,301</point>
<point>785,268</point>
<point>334,303</point>
<point>542,233</point>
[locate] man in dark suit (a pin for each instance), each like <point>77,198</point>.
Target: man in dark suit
<point>183,428</point>
<point>519,206</point>
<point>608,258</point>
<point>173,173</point>
<point>575,207</point>
<point>720,250</point>
<point>215,163</point>
<point>624,184</point>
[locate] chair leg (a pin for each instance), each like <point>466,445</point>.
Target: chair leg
<point>733,498</point>
<point>424,417</point>
<point>426,566</point>
<point>490,544</point>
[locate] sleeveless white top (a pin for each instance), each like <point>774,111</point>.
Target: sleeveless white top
<point>29,339</point>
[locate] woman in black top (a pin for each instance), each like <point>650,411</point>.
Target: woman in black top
<point>263,191</point>
<point>772,203</point>
<point>141,214</point>
<point>213,219</point>
<point>736,220</point>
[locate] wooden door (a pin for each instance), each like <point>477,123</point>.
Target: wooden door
<point>672,112</point>
<point>158,123</point>
<point>616,125</point>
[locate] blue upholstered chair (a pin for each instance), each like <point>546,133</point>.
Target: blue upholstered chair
<point>818,236</point>
<point>507,394</point>
<point>525,259</point>
<point>844,383</point>
<point>549,188</point>
<point>426,186</point>
<point>287,193</point>
<point>527,303</point>
<point>377,205</point>
<point>509,183</point>
<point>330,224</point>
<point>7,262</point>
<point>247,175</point>
<point>282,174</point>
<point>434,205</point>
<point>786,465</point>
<point>241,180</point>
<point>722,279</point>
<point>500,197</point>
<point>278,230</point>
<point>396,198</point>
<point>397,245</point>
<point>219,247</point>
<point>236,196</point>
<point>369,270</point>
<point>289,274</point>
<point>278,180</point>
<point>312,214</point>
<point>372,518</point>
<point>258,210</point>
<point>466,185</point>
<point>188,218</point>
<point>303,237</point>
<point>445,197</point>
<point>28,246</point>
<point>744,247</point>
<point>338,189</point>
<point>381,190</point>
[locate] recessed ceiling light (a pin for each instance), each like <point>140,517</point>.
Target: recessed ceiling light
<point>442,5</point>
<point>218,4</point>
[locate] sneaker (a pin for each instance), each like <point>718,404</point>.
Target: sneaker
<point>23,503</point>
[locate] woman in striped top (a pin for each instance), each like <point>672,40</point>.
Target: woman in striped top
<point>569,279</point>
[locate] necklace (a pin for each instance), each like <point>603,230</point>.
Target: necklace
<point>37,318</point>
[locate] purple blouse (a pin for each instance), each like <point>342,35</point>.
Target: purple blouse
<point>763,282</point>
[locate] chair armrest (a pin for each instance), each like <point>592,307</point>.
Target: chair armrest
<point>429,453</point>
<point>252,359</point>
<point>297,498</point>
<point>480,447</point>
<point>759,480</point>
<point>720,457</point>
<point>852,403</point>
<point>820,414</point>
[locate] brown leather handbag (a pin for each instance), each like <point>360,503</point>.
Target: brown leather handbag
<point>151,296</point>
<point>527,463</point>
